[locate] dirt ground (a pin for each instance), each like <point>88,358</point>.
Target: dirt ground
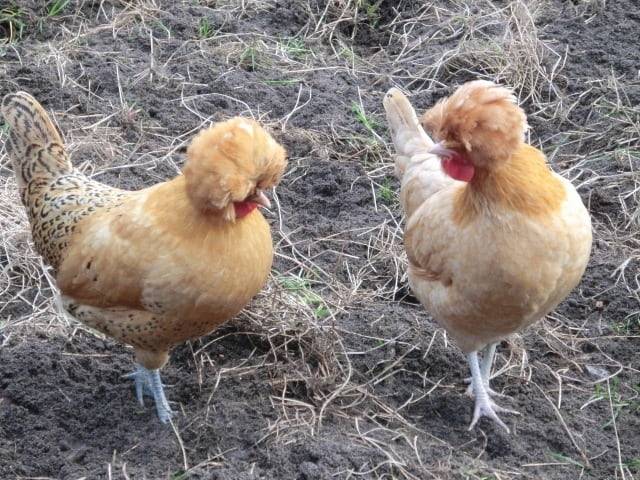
<point>334,371</point>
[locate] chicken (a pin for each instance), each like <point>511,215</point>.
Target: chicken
<point>495,240</point>
<point>155,267</point>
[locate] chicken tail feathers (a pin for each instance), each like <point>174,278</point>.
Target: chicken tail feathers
<point>408,136</point>
<point>420,172</point>
<point>34,145</point>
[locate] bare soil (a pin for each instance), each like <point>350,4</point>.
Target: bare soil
<point>334,371</point>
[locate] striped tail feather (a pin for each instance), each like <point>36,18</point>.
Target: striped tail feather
<point>34,145</point>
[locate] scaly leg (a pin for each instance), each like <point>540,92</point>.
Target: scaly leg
<point>488,354</point>
<point>148,382</point>
<point>484,407</point>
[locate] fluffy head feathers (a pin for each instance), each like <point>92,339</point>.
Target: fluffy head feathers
<point>230,162</point>
<point>480,120</point>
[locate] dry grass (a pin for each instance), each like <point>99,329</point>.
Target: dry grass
<point>315,372</point>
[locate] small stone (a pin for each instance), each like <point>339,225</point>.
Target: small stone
<point>78,455</point>
<point>597,371</point>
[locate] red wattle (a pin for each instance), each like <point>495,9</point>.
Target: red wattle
<point>458,169</point>
<point>244,208</point>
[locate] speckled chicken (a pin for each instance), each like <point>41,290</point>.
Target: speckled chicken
<point>495,239</point>
<point>155,267</point>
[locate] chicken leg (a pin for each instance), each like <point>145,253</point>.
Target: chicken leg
<point>485,406</point>
<point>110,322</point>
<point>148,382</point>
<point>488,354</point>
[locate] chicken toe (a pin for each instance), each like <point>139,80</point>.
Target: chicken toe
<point>490,391</point>
<point>148,383</point>
<point>142,386</point>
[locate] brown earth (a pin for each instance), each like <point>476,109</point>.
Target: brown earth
<point>335,371</point>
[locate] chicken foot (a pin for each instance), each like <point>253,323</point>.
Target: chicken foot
<point>148,382</point>
<point>484,406</point>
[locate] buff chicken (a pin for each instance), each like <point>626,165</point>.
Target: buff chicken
<point>495,239</point>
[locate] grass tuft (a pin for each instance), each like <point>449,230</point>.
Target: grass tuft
<point>12,23</point>
<point>252,57</point>
<point>372,11</point>
<point>301,287</point>
<point>386,192</point>
<point>365,120</point>
<point>56,7</point>
<point>296,48</point>
<point>205,29</point>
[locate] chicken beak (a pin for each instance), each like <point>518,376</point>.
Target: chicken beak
<point>439,150</point>
<point>260,198</point>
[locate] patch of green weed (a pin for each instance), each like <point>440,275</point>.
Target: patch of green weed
<point>162,26</point>
<point>296,48</point>
<point>613,395</point>
<point>251,58</point>
<point>372,10</point>
<point>368,122</point>
<point>346,52</point>
<point>301,287</point>
<point>205,29</point>
<point>628,326</point>
<point>179,475</point>
<point>12,23</point>
<point>633,464</point>
<point>386,192</point>
<point>56,7</point>
<point>291,81</point>
<point>560,457</point>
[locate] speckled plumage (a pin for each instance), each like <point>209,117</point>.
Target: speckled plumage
<point>55,195</point>
<point>55,207</point>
